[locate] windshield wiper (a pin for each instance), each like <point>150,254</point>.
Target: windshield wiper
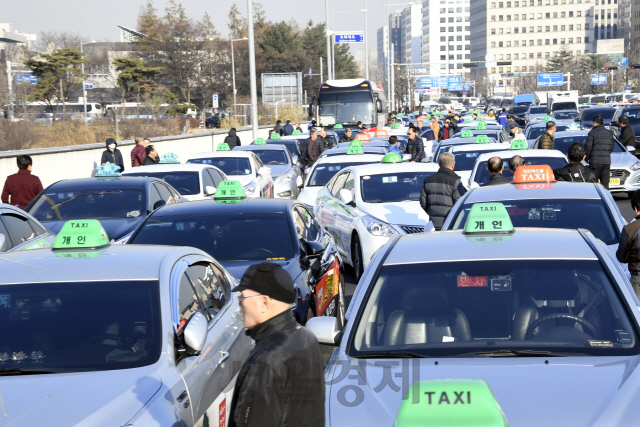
<point>522,353</point>
<point>389,354</point>
<point>39,371</point>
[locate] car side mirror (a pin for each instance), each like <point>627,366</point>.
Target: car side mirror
<point>159,204</point>
<point>209,190</point>
<point>264,171</point>
<point>295,160</point>
<point>3,239</point>
<point>299,182</point>
<point>379,106</point>
<point>195,333</point>
<point>345,196</point>
<point>325,329</point>
<point>629,147</point>
<point>313,249</point>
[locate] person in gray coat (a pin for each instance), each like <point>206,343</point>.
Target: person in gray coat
<point>441,191</point>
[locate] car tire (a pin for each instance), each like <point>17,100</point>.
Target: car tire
<point>356,258</point>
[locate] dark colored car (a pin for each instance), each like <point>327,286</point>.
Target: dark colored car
<point>295,146</point>
<point>633,114</point>
<point>120,204</point>
<point>253,231</point>
<point>520,112</point>
<point>586,116</point>
<point>214,121</point>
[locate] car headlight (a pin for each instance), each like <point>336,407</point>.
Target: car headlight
<point>287,177</point>
<point>635,167</point>
<point>250,188</point>
<point>377,228</point>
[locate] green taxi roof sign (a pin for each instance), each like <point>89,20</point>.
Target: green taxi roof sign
<point>395,126</point>
<point>482,139</point>
<point>428,116</point>
<point>392,158</point>
<point>467,120</point>
<point>519,144</point>
<point>470,111</point>
<point>296,132</point>
<point>355,143</point>
<point>488,218</point>
<point>275,136</point>
<point>229,190</point>
<point>481,126</point>
<point>81,234</point>
<point>223,147</point>
<point>467,134</point>
<point>355,149</point>
<point>469,403</point>
<point>260,141</point>
<point>338,126</point>
<point>546,117</point>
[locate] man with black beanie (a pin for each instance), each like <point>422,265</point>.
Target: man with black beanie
<point>598,149</point>
<point>282,381</point>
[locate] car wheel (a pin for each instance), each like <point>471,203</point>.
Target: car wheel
<point>356,258</point>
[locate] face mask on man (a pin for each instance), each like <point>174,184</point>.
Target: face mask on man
<point>112,146</point>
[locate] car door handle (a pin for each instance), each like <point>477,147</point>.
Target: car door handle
<point>224,355</point>
<point>182,396</point>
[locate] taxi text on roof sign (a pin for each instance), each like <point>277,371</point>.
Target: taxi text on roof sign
<point>229,190</point>
<point>482,139</point>
<point>533,174</point>
<point>363,137</point>
<point>81,234</point>
<point>519,144</point>
<point>355,143</point>
<point>381,133</point>
<point>453,403</point>
<point>259,141</point>
<point>391,158</point>
<point>467,134</point>
<point>355,149</point>
<point>275,136</point>
<point>223,147</point>
<point>488,218</point>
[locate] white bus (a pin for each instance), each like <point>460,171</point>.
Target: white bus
<point>43,111</point>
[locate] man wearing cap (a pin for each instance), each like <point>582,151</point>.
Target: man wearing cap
<point>282,381</point>
<point>512,128</point>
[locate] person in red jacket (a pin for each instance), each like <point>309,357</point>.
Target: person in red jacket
<point>21,188</point>
<point>138,154</point>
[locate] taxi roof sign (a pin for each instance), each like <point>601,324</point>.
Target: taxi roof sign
<point>275,136</point>
<point>259,141</point>
<point>528,174</point>
<point>395,125</point>
<point>481,126</point>
<point>391,158</point>
<point>519,144</point>
<point>467,134</point>
<point>338,126</point>
<point>81,234</point>
<point>546,117</point>
<point>469,403</point>
<point>297,132</point>
<point>488,218</point>
<point>223,147</point>
<point>169,158</point>
<point>355,143</point>
<point>229,190</point>
<point>381,133</point>
<point>482,139</point>
<point>363,137</point>
<point>467,120</point>
<point>108,170</point>
<point>355,149</point>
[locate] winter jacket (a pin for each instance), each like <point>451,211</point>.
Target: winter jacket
<point>115,157</point>
<point>394,149</point>
<point>628,136</point>
<point>439,193</point>
<point>232,139</point>
<point>346,138</point>
<point>629,246</point>
<point>21,188</point>
<point>435,127</point>
<point>149,161</point>
<point>497,179</point>
<point>574,172</point>
<point>324,144</point>
<point>137,155</point>
<point>502,119</point>
<point>278,129</point>
<point>282,381</point>
<point>287,129</point>
<point>599,146</point>
<point>311,147</point>
<point>547,141</point>
<point>416,149</point>
<point>445,133</point>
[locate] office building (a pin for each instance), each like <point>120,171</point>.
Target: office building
<point>411,35</point>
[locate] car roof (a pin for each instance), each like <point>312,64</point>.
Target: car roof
<point>231,153</point>
<point>459,141</point>
<point>558,190</point>
<point>380,168</point>
<point>203,207</point>
<point>169,167</point>
<point>510,153</point>
<point>339,151</point>
<point>253,147</point>
<point>134,262</point>
<point>364,158</point>
<point>372,143</point>
<point>523,243</point>
<point>124,181</point>
<point>495,146</point>
<point>569,133</point>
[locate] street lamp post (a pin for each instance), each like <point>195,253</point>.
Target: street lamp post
<point>252,71</point>
<point>327,35</point>
<point>233,73</point>
<point>84,87</point>
<point>366,43</point>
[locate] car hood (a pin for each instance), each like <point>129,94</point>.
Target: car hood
<point>115,228</point>
<point>277,170</point>
<point>77,399</point>
<point>400,213</point>
<point>623,160</point>
<point>576,391</point>
<point>308,195</point>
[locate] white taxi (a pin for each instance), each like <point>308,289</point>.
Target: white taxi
<point>467,154</point>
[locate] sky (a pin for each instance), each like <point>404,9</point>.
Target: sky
<point>98,19</point>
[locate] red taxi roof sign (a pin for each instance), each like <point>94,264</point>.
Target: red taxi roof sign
<point>381,133</point>
<point>363,137</point>
<point>530,174</point>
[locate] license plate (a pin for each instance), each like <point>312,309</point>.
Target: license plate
<point>614,181</point>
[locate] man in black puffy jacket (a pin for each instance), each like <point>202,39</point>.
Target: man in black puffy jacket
<point>415,147</point>
<point>627,133</point>
<point>441,191</point>
<point>575,171</point>
<point>232,139</point>
<point>598,151</point>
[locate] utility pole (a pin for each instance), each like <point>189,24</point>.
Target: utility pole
<point>366,43</point>
<point>252,71</point>
<point>84,88</point>
<point>321,70</point>
<point>568,81</point>
<point>9,81</point>
<point>327,35</point>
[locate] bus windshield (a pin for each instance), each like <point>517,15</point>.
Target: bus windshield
<point>347,108</point>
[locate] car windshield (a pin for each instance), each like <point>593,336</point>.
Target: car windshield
<point>272,157</point>
<point>391,188</point>
<point>633,116</point>
<point>477,308</point>
<point>291,144</point>
<point>226,237</point>
<point>483,175</point>
<point>591,214</point>
<point>520,109</point>
<point>562,143</point>
<point>535,132</point>
<point>538,110</point>
<point>590,113</point>
<point>565,106</point>
<point>565,115</point>
<point>228,165</point>
<point>187,183</point>
<point>346,107</point>
<point>465,160</point>
<point>322,173</point>
<point>89,203</point>
<point>79,326</point>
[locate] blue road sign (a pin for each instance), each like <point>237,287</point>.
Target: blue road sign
<point>88,85</point>
<point>440,82</point>
<point>426,82</point>
<point>349,38</point>
<point>454,80</point>
<point>525,92</point>
<point>624,61</point>
<point>33,79</point>
<point>598,79</point>
<point>550,79</point>
<point>628,87</point>
<point>26,78</point>
<point>455,88</point>
<point>466,87</point>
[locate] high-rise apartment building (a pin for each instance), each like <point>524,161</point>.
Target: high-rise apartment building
<point>411,35</point>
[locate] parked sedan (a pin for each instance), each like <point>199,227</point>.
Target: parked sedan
<point>19,230</point>
<point>586,116</point>
<point>214,121</point>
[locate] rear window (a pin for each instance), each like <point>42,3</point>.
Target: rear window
<point>392,188</point>
<point>324,172</point>
<point>187,183</point>
<point>228,165</point>
<point>590,113</point>
<point>537,131</point>
<point>483,175</point>
<point>633,116</point>
<point>562,143</point>
<point>538,110</point>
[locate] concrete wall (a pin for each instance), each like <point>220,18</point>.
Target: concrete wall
<point>80,161</point>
